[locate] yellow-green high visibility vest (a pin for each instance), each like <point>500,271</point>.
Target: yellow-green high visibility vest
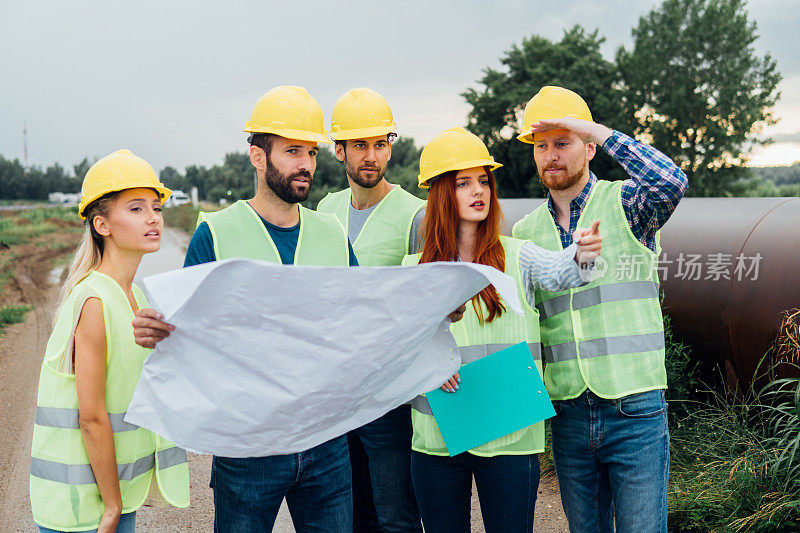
<point>237,231</point>
<point>383,240</point>
<point>607,335</point>
<point>474,342</point>
<point>63,491</point>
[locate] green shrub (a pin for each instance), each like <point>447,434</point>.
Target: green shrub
<point>183,217</point>
<point>13,314</point>
<point>682,373</point>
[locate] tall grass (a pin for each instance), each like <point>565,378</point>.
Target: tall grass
<point>735,461</point>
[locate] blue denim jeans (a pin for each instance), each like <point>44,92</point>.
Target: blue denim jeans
<point>316,484</point>
<point>380,454</point>
<point>612,462</point>
<point>126,524</point>
<point>507,488</point>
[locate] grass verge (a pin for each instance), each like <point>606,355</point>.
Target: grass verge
<point>736,459</point>
<point>183,217</point>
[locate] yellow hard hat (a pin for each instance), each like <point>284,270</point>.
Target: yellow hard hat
<point>551,102</point>
<point>289,112</point>
<point>117,172</point>
<point>361,113</point>
<point>453,149</point>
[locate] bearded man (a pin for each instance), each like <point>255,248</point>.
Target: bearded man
<point>285,127</point>
<point>603,343</point>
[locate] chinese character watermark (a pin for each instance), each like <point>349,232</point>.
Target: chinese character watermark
<point>717,266</point>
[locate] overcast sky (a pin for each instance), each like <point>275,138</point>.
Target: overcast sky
<point>175,80</point>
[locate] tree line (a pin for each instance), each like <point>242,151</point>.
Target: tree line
<point>691,84</point>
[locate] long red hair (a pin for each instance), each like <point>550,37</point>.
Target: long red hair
<point>440,244</point>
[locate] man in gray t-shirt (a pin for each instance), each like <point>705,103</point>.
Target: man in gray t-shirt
<point>382,221</point>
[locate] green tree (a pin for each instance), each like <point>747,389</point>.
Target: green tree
<point>575,63</point>
<point>694,87</point>
<point>57,180</point>
<point>82,168</point>
<point>173,179</point>
<point>404,166</point>
<point>12,179</point>
<point>328,177</point>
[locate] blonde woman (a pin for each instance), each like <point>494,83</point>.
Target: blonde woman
<point>91,470</point>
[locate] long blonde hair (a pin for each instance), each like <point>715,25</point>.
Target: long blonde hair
<point>90,250</point>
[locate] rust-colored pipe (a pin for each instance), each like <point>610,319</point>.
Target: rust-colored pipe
<point>730,322</point>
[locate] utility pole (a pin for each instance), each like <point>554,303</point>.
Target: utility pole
<point>25,142</point>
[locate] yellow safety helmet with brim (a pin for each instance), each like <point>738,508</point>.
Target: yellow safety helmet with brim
<point>116,172</point>
<point>549,103</point>
<point>453,149</point>
<point>359,114</point>
<point>289,112</point>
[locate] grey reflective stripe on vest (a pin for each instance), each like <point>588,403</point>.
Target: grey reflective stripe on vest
<point>171,457</point>
<point>479,351</point>
<point>616,292</point>
<point>420,403</point>
<point>59,417</point>
<point>82,474</point>
<point>605,346</point>
<point>473,353</point>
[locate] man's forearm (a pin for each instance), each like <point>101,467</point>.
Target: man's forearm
<point>656,186</point>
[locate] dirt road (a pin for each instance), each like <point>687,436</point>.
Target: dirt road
<point>21,351</point>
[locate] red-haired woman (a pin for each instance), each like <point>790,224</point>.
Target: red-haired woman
<point>462,223</point>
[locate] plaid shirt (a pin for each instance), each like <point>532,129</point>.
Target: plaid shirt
<point>648,198</point>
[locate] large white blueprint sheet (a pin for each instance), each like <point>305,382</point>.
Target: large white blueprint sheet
<point>270,359</point>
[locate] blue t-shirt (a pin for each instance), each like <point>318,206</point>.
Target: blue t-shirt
<point>201,247</point>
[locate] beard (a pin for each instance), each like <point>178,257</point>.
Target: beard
<point>361,180</point>
<point>282,185</point>
<point>562,182</point>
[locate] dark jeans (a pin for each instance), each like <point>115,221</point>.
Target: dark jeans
<point>127,524</point>
<point>612,462</point>
<point>507,487</point>
<point>316,484</point>
<point>383,497</point>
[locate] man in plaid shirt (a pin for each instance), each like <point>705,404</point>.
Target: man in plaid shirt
<point>603,342</point>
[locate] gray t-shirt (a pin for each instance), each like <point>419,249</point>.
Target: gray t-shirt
<point>357,217</point>
<point>415,240</point>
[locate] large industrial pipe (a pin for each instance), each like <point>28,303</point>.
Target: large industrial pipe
<point>729,268</point>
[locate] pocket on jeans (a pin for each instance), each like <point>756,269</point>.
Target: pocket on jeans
<point>648,404</point>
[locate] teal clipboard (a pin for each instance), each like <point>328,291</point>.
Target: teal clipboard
<point>498,394</point>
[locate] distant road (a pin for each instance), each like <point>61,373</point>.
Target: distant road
<point>168,257</point>
<point>22,207</point>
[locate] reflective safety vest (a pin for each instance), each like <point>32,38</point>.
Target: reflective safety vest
<point>63,491</point>
<point>607,335</point>
<point>238,231</point>
<point>383,240</point>
<point>474,342</point>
